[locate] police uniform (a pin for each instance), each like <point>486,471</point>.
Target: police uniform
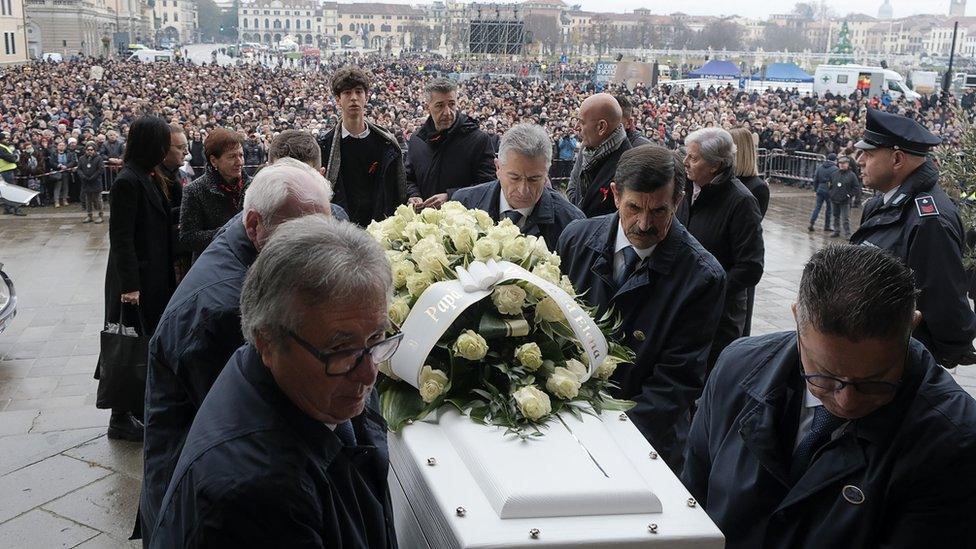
<point>920,224</point>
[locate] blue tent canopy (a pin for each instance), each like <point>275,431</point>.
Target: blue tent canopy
<point>783,72</point>
<point>716,69</point>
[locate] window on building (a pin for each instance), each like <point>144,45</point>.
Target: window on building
<point>267,23</point>
<point>372,27</point>
<point>308,24</point>
<point>339,26</point>
<point>164,3</point>
<point>176,16</point>
<point>165,17</point>
<point>287,23</point>
<point>385,28</point>
<point>6,37</point>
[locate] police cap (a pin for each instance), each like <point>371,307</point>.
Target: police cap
<point>891,131</point>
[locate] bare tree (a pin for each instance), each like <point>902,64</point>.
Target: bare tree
<point>545,30</point>
<point>780,38</point>
<point>720,34</point>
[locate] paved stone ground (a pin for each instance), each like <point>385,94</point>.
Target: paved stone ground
<point>62,483</point>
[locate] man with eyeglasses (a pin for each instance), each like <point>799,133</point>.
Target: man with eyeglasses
<point>845,433</point>
<point>289,448</point>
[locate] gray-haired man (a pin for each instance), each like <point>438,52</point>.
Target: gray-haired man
<point>200,328</point>
<point>289,448</point>
<point>448,152</point>
<point>520,192</point>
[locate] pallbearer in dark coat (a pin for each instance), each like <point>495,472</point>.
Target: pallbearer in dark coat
<point>140,257</point>
<point>520,193</point>
<point>847,434</point>
<point>289,448</point>
<point>604,139</point>
<point>667,289</point>
<point>915,220</point>
<point>724,217</point>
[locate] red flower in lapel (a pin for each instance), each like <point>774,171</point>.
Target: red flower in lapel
<point>373,167</point>
<point>605,191</point>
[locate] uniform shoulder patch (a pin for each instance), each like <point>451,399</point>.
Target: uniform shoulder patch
<point>926,206</point>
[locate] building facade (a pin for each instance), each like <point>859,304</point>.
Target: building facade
<point>89,27</point>
<point>381,26</point>
<point>14,32</point>
<point>175,21</point>
<point>305,21</point>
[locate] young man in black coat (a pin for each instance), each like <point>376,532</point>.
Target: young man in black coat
<point>289,448</point>
<point>724,217</point>
<point>845,433</point>
<point>520,193</point>
<point>362,160</point>
<point>643,265</point>
<point>448,152</point>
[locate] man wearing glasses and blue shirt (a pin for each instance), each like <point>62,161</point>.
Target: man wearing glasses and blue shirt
<point>846,433</point>
<point>289,448</point>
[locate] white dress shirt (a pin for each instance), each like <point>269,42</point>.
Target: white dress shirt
<point>618,251</point>
<point>503,206</point>
<point>806,418</point>
<point>346,133</point>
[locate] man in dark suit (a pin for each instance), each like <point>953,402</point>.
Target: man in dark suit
<point>645,266</point>
<point>604,140</point>
<point>520,193</point>
<point>845,433</point>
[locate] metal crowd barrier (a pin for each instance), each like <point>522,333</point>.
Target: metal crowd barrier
<point>794,169</point>
<point>559,173</point>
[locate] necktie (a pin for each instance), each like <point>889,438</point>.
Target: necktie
<point>514,215</point>
<point>345,433</point>
<point>824,423</point>
<point>631,259</point>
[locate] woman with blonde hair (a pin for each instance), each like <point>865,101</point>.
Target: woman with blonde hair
<point>746,166</point>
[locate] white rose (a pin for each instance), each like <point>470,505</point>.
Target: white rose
<point>393,228</point>
<point>529,355</point>
<point>545,310</point>
<point>607,367</point>
<point>516,249</point>
<point>577,367</point>
<point>417,283</point>
<point>471,346</point>
<point>430,255</point>
<point>401,270</point>
<point>483,220</point>
<point>563,383</point>
<point>416,230</point>
<point>463,238</point>
<point>567,285</point>
<point>430,215</point>
<point>508,299</point>
<point>453,206</point>
<point>406,213</point>
<point>547,272</point>
<point>375,230</point>
<point>399,309</point>
<point>384,367</point>
<point>485,249</point>
<point>432,383</point>
<point>533,403</point>
<point>504,232</point>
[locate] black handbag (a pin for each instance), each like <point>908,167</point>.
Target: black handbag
<point>122,364</point>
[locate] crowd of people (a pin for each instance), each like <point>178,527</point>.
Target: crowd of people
<point>94,101</point>
<point>268,303</point>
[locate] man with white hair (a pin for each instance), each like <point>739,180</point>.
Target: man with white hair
<point>200,328</point>
<point>289,448</point>
<point>721,213</point>
<point>520,192</point>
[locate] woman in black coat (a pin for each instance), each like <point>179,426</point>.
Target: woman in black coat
<point>746,169</point>
<point>140,258</point>
<point>216,196</point>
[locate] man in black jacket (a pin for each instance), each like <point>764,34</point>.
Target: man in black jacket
<point>821,186</point>
<point>643,265</point>
<point>200,328</point>
<point>843,186</point>
<point>520,193</point>
<point>604,140</point>
<point>844,433</point>
<point>448,152</point>
<point>289,448</point>
<point>916,221</point>
<point>724,217</point>
<point>363,161</point>
<point>635,137</point>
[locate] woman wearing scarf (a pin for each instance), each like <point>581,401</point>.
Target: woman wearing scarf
<point>216,196</point>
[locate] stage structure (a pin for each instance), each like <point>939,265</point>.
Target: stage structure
<point>496,29</point>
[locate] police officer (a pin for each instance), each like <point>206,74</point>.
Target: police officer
<point>914,219</point>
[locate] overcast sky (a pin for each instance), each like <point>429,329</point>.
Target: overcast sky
<point>751,8</point>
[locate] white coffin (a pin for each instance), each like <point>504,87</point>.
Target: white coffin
<point>589,483</point>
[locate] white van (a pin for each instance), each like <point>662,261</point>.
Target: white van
<point>151,56</point>
<point>872,81</point>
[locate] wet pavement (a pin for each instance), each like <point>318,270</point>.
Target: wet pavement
<point>62,482</point>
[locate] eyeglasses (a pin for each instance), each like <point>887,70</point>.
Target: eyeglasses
<point>833,384</point>
<point>341,363</point>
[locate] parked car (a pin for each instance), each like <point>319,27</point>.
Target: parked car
<point>8,300</point>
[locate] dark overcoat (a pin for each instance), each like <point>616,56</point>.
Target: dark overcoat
<point>597,199</point>
<point>669,307</point>
<point>445,161</point>
<point>903,476</point>
<point>551,215</point>
<point>257,472</point>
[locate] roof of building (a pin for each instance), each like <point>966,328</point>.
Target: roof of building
<point>372,8</point>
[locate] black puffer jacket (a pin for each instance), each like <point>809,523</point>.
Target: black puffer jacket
<point>442,162</point>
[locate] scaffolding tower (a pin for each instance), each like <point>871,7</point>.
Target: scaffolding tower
<point>496,29</point>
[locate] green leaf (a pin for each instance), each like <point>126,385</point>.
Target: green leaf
<point>615,404</point>
<point>399,403</point>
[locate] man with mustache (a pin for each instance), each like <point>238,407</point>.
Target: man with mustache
<point>449,152</point>
<point>644,266</point>
<point>520,193</point>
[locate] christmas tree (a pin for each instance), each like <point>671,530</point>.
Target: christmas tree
<point>957,176</point>
<point>843,49</point>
